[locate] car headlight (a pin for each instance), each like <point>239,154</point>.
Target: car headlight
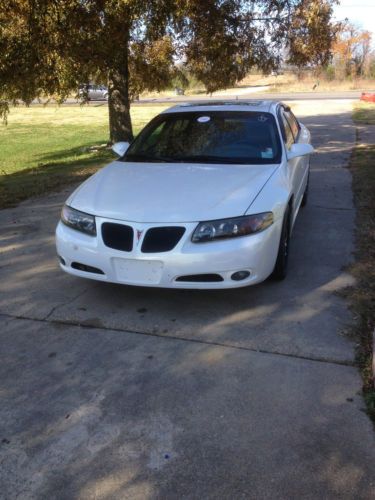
<point>230,228</point>
<point>78,220</point>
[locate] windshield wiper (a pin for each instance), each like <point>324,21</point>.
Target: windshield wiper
<point>185,159</point>
<point>207,159</point>
<point>147,158</point>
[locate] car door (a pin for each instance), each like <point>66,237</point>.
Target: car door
<point>301,135</point>
<point>95,92</point>
<point>103,92</point>
<point>297,167</point>
<point>100,92</point>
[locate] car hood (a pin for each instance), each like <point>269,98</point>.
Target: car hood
<point>170,192</point>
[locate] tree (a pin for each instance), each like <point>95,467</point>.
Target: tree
<point>352,50</point>
<point>312,34</point>
<point>50,47</point>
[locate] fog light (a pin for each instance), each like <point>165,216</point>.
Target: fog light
<point>62,261</point>
<point>240,275</point>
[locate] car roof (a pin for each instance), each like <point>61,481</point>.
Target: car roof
<point>260,105</point>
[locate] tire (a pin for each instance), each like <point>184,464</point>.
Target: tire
<point>281,267</point>
<point>306,193</point>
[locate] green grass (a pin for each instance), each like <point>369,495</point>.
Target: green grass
<point>45,148</point>
<point>364,113</point>
<point>362,295</point>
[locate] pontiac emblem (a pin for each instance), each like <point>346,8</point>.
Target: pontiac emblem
<point>138,235</point>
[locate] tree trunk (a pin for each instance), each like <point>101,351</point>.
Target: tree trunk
<point>120,125</point>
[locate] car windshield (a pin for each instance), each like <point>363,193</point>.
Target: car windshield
<point>239,137</point>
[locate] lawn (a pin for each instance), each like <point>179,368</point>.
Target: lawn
<point>364,113</point>
<point>44,148</point>
<point>362,295</point>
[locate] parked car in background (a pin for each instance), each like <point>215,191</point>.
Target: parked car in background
<point>94,92</point>
<point>206,196</point>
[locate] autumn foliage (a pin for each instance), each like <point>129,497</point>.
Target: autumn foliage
<point>50,47</point>
<point>352,51</point>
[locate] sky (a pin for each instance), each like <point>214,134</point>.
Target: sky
<point>360,12</point>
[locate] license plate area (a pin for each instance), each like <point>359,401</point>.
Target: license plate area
<point>147,272</point>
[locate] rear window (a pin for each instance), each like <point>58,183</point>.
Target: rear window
<point>209,137</point>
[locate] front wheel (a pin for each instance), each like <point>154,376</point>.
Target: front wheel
<point>281,267</point>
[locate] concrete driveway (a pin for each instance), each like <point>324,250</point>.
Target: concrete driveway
<point>117,392</point>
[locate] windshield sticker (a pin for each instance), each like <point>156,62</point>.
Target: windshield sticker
<point>203,119</point>
<point>262,118</point>
<point>268,153</point>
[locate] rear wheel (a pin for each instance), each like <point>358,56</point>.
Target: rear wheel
<point>281,266</point>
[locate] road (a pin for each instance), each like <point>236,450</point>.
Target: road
<point>118,392</point>
<point>285,96</point>
<point>240,95</point>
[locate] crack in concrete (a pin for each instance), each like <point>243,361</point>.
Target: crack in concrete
<point>55,308</point>
<point>184,339</point>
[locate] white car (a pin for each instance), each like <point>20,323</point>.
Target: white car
<point>206,196</point>
<point>94,92</point>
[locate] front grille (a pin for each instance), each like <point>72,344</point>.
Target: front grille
<point>201,278</point>
<point>162,239</point>
<point>117,236</point>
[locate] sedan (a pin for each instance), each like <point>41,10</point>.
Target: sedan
<point>206,196</point>
<point>94,92</point>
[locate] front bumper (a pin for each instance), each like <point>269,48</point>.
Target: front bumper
<point>91,258</point>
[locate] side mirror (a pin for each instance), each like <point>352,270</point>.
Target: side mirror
<point>120,148</point>
<point>299,150</point>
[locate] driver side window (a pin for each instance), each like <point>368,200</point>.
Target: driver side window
<point>286,130</point>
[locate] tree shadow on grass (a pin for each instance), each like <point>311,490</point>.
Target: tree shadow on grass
<point>55,171</point>
<point>70,154</point>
